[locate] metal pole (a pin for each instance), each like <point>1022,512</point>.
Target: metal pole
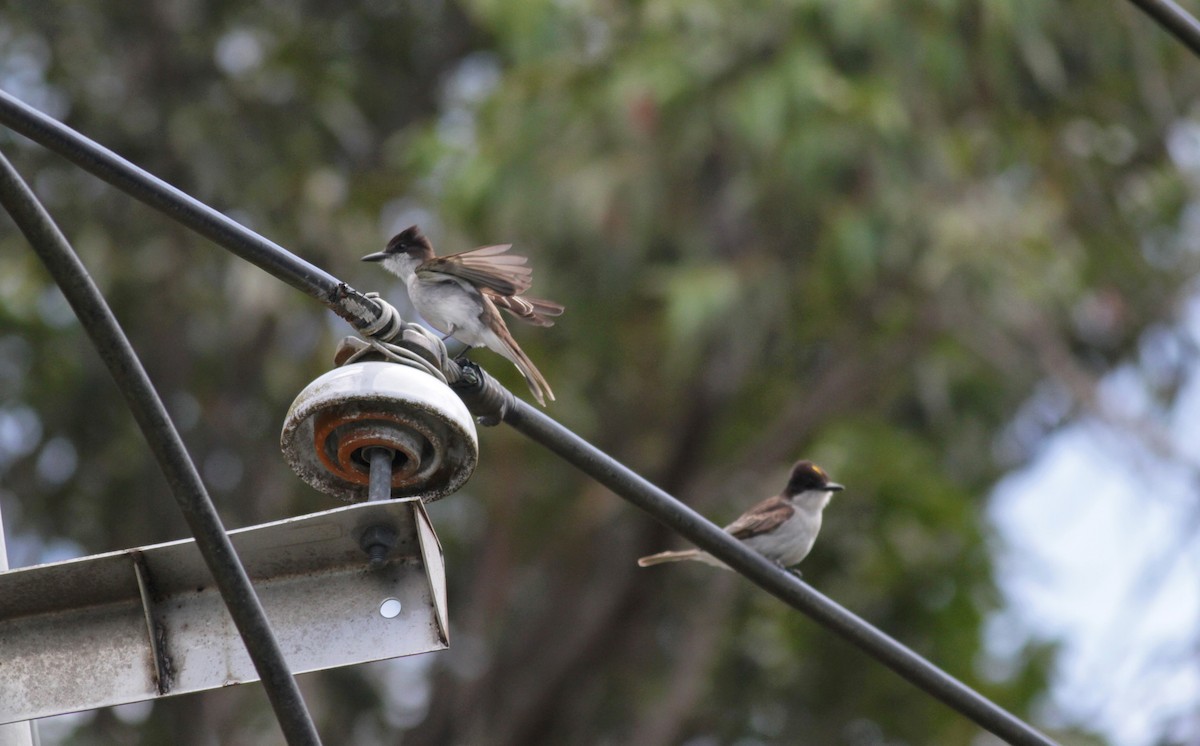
<point>379,485</point>
<point>342,299</point>
<point>361,312</point>
<point>22,733</point>
<point>164,440</point>
<point>780,583</point>
<point>1177,21</point>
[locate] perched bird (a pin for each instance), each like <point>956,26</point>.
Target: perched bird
<point>459,295</point>
<point>781,528</point>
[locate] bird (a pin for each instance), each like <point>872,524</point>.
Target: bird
<point>782,528</point>
<point>460,294</point>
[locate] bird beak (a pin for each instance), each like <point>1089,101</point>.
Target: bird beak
<point>378,256</point>
<point>834,487</point>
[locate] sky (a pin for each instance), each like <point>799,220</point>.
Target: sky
<point>1097,550</point>
<point>1097,535</point>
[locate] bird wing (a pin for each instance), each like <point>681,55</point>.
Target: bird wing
<point>530,310</point>
<point>504,344</point>
<point>763,517</point>
<point>486,267</point>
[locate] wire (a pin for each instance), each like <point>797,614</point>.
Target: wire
<point>528,420</point>
<point>493,403</point>
<point>784,585</point>
<point>122,361</point>
<point>98,160</point>
<point>399,341</point>
<point>1175,20</point>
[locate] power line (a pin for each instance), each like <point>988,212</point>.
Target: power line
<point>98,160</point>
<point>785,586</point>
<point>495,403</point>
<point>1181,24</point>
<point>168,447</point>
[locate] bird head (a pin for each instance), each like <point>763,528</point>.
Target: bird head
<point>808,477</point>
<point>410,241</point>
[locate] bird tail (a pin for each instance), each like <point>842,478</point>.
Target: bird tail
<point>533,377</point>
<point>661,557</point>
<point>536,311</point>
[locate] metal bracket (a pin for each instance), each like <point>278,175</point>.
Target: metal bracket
<point>148,622</point>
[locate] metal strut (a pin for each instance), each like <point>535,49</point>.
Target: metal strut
<point>492,402</point>
<point>168,448</point>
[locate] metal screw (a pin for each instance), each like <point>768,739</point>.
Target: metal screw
<point>378,541</point>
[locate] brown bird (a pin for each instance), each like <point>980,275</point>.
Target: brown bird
<point>459,295</point>
<point>782,528</point>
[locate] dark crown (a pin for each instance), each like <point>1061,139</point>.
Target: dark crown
<point>406,240</point>
<point>807,476</point>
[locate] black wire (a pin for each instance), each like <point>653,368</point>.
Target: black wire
<point>529,421</point>
<point>122,361</point>
<point>344,300</point>
<point>1182,25</point>
<point>787,587</point>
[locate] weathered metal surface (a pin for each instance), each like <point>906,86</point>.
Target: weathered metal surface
<point>74,635</point>
<point>340,416</point>
<point>17,733</point>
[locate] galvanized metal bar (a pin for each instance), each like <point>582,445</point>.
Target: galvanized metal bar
<point>308,570</point>
<point>18,732</point>
<point>168,448</point>
<point>1177,21</point>
<point>435,564</point>
<point>361,311</point>
<point>162,665</point>
<point>98,160</point>
<point>533,423</point>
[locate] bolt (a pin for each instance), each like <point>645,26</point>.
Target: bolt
<point>378,541</point>
<point>380,486</point>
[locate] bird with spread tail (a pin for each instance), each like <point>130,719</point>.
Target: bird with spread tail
<point>782,528</point>
<point>460,294</point>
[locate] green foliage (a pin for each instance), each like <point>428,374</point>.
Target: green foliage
<point>863,232</point>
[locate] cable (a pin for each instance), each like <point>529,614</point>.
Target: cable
<point>784,585</point>
<point>122,361</point>
<point>395,340</point>
<point>98,160</point>
<point>493,403</point>
<point>1175,20</point>
<point>478,388</point>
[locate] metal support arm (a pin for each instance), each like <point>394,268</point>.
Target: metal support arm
<point>493,403</point>
<point>165,629</point>
<point>168,447</point>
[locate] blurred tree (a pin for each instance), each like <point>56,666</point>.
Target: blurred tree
<point>863,232</point>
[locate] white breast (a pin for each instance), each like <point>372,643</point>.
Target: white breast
<point>792,541</point>
<point>451,307</point>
